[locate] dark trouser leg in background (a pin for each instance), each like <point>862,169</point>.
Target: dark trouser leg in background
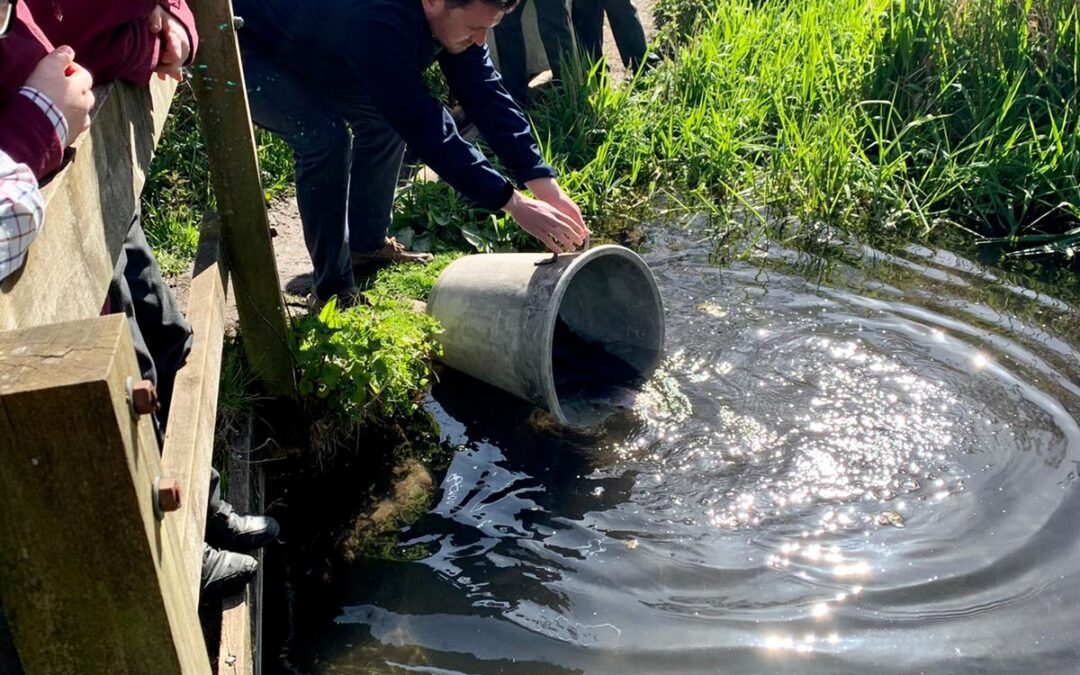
<point>510,40</point>
<point>627,30</point>
<point>283,104</point>
<point>553,21</point>
<point>588,18</point>
<point>161,335</point>
<point>377,151</point>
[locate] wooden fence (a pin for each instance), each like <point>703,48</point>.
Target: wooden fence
<point>99,573</point>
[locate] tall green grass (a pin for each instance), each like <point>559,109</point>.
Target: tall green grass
<point>875,114</point>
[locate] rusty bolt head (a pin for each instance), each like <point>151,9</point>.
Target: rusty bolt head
<point>144,397</point>
<point>168,494</point>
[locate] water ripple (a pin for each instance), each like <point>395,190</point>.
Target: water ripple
<point>870,467</point>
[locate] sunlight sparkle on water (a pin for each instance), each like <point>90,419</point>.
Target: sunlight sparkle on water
<point>861,424</point>
<point>804,645</point>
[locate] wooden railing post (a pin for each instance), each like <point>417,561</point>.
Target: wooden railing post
<point>234,171</point>
<point>92,579</point>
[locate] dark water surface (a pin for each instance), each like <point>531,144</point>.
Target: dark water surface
<point>872,470</point>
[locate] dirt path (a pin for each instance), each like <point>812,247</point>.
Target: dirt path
<point>294,266</point>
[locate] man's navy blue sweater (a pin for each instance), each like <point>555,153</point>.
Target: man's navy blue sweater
<point>374,52</point>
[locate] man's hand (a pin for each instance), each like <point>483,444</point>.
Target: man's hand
<point>553,218</point>
<point>548,190</point>
<point>175,44</point>
<point>67,84</point>
<point>550,224</point>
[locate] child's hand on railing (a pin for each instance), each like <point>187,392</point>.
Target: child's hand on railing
<point>175,44</point>
<point>67,84</point>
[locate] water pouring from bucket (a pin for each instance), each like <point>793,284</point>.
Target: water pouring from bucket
<point>573,336</point>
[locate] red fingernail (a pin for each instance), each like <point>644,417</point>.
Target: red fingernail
<point>69,71</point>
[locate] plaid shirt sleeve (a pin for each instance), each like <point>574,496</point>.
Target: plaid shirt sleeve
<point>22,212</point>
<point>54,114</point>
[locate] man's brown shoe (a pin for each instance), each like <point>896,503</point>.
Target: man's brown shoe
<point>393,251</point>
<point>347,298</point>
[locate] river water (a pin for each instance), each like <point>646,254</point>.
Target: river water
<point>866,463</point>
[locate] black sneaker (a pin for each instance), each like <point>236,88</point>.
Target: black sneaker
<point>225,573</point>
<point>228,530</point>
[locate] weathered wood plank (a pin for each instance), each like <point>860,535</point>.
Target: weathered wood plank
<point>234,171</point>
<point>189,441</point>
<point>89,206</point>
<point>258,505</point>
<point>92,580</point>
<point>240,618</point>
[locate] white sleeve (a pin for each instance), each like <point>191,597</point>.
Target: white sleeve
<point>22,213</point>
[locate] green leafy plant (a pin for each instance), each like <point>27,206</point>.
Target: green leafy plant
<point>432,216</point>
<point>366,362</point>
<point>411,282</point>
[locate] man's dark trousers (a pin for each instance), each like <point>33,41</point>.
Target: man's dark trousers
<point>344,186</point>
<point>161,336</point>
<point>626,27</point>
<point>553,22</point>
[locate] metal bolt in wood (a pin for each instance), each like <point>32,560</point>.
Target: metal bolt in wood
<point>166,496</point>
<point>144,399</point>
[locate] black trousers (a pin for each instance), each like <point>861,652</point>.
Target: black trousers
<point>161,336</point>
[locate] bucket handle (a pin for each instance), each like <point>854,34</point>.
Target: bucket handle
<point>555,256</point>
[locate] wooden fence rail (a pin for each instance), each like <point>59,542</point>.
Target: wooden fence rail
<point>92,578</point>
<point>88,209</point>
<point>189,441</point>
<point>234,171</point>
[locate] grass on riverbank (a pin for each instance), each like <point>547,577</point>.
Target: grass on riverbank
<point>878,116</point>
<point>891,117</point>
<point>873,115</point>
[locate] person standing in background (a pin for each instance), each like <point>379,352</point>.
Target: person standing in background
<point>588,19</point>
<point>553,21</point>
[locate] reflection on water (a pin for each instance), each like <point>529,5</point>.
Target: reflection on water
<point>874,471</point>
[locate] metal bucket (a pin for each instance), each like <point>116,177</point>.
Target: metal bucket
<point>499,312</point>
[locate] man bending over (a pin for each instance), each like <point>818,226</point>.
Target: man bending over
<point>318,69</point>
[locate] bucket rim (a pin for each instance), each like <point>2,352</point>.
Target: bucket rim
<point>547,371</point>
